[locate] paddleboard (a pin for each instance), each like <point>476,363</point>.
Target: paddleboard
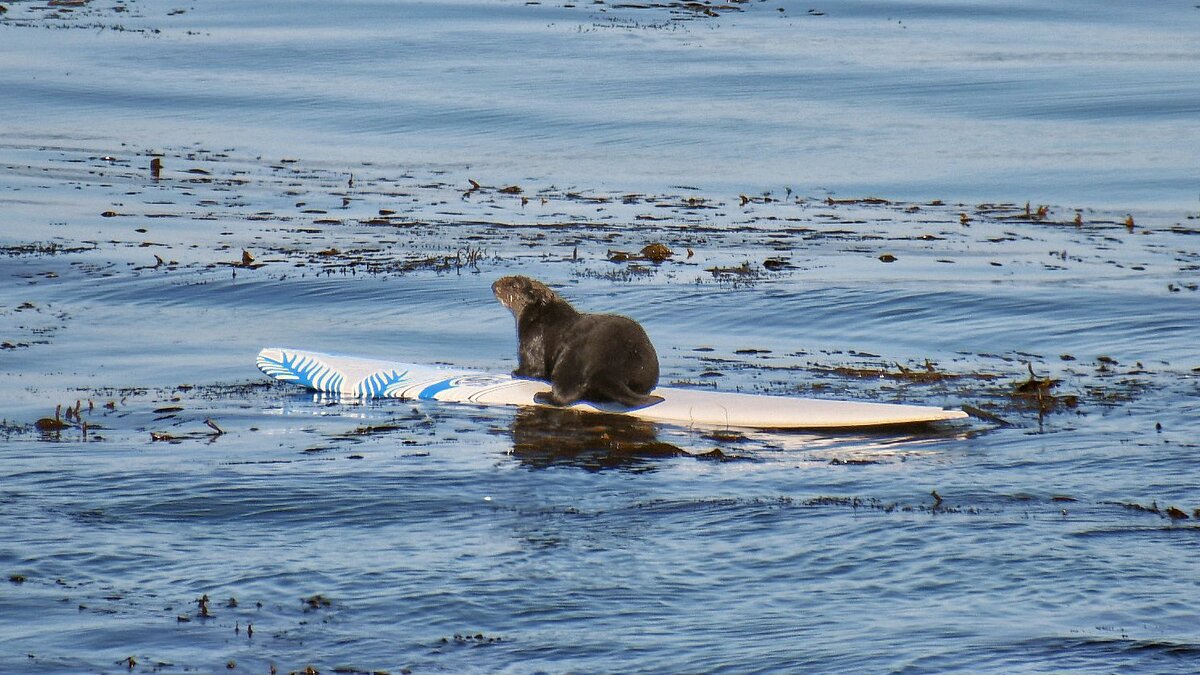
<point>371,378</point>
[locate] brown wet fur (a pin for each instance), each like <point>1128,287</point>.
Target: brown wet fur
<point>600,358</point>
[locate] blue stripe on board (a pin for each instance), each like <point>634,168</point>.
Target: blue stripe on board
<point>428,393</point>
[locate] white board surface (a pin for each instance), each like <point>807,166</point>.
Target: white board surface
<point>369,378</point>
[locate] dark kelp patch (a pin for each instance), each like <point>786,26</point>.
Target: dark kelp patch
<point>42,249</point>
<point>70,422</point>
<point>926,374</point>
<point>1172,513</point>
<point>656,253</point>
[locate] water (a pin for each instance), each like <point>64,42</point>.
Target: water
<point>335,144</point>
<point>1075,104</point>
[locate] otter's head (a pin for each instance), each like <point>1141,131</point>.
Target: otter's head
<point>518,293</point>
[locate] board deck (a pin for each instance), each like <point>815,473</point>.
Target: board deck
<point>371,378</point>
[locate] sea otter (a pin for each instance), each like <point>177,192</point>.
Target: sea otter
<point>593,357</point>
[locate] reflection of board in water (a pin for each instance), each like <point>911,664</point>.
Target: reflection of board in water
<point>368,378</point>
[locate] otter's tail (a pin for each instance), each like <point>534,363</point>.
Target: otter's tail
<point>632,399</point>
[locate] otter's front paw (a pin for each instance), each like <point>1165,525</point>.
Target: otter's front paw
<point>546,398</point>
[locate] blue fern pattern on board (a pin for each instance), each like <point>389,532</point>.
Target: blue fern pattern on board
<point>302,370</point>
<point>381,383</point>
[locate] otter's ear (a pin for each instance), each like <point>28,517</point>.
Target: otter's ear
<point>541,294</point>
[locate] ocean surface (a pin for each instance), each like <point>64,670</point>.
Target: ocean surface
<point>960,204</point>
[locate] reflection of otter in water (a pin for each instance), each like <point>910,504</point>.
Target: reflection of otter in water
<point>545,437</point>
<point>592,357</point>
